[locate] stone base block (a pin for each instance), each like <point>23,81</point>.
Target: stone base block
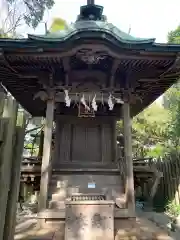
<point>90,221</point>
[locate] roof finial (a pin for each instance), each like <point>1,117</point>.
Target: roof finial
<point>90,2</point>
<point>129,31</point>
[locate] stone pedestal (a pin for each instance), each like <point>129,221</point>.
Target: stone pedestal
<point>89,220</point>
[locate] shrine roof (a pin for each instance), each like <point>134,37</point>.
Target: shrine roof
<point>146,67</point>
<point>102,27</point>
<point>86,28</point>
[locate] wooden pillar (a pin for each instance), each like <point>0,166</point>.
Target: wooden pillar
<point>128,157</point>
<point>41,142</point>
<point>2,100</point>
<point>11,208</point>
<point>10,113</point>
<point>46,159</point>
<point>156,182</point>
<point>25,191</point>
<point>114,140</point>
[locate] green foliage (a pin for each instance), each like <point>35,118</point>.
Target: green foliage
<point>173,209</point>
<point>32,141</point>
<point>58,24</point>
<point>33,10</point>
<point>172,100</point>
<point>156,130</point>
<point>157,151</point>
<point>32,149</point>
<point>172,103</point>
<point>34,126</point>
<point>3,34</point>
<point>174,36</point>
<point>149,131</point>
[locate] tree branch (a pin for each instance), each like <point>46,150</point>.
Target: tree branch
<point>33,129</point>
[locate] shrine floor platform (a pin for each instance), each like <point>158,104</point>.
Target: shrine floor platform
<point>125,229</point>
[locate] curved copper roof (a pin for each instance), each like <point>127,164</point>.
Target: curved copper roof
<point>145,67</point>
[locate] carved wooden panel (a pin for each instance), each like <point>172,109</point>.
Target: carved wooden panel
<point>89,221</point>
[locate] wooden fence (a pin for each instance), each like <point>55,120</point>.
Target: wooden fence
<point>11,148</point>
<point>169,187</point>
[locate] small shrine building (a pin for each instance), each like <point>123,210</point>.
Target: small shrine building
<point>83,80</point>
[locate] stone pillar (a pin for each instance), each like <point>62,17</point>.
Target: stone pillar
<point>46,159</point>
<point>128,157</point>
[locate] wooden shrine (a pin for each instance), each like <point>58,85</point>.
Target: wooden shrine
<point>83,80</point>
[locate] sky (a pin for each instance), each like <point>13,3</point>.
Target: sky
<point>147,19</point>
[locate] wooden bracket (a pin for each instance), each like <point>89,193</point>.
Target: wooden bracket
<point>114,69</point>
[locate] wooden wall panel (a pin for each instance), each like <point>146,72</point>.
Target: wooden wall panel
<point>93,144</point>
<point>65,141</point>
<point>84,141</point>
<point>78,144</point>
<point>106,137</point>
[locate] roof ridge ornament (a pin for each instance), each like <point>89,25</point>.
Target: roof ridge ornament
<point>91,11</point>
<point>90,2</point>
